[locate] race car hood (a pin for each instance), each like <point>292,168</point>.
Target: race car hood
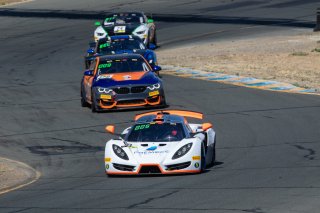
<point>152,152</point>
<point>128,29</point>
<point>120,79</point>
<point>141,52</point>
<point>144,53</point>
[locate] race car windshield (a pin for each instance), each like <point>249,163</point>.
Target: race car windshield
<point>122,65</point>
<point>128,19</point>
<point>154,132</point>
<point>120,45</point>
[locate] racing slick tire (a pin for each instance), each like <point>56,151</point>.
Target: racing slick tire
<point>155,40</point>
<point>94,107</point>
<point>163,101</point>
<point>84,103</point>
<point>203,158</point>
<point>213,159</point>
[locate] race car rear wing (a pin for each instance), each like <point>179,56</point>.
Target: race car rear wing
<point>184,113</point>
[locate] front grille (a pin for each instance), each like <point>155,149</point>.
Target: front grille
<point>131,102</point>
<point>150,170</point>
<point>138,89</point>
<point>123,167</point>
<point>121,90</point>
<point>178,166</point>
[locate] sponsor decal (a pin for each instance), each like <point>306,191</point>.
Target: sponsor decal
<point>104,45</point>
<point>107,159</point>
<point>102,66</point>
<point>107,166</point>
<point>196,165</point>
<point>104,77</point>
<point>195,157</point>
<point>141,127</point>
<point>152,148</point>
<point>103,96</point>
<point>154,93</point>
<point>127,77</point>
<point>151,152</point>
<point>109,19</point>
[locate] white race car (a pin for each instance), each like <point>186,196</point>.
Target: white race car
<point>135,23</point>
<point>161,142</point>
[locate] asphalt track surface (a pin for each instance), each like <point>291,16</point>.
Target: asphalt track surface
<point>268,143</point>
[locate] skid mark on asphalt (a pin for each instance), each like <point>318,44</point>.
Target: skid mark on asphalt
<point>76,147</point>
<point>152,199</point>
<point>311,152</point>
<point>63,150</point>
<point>61,130</point>
<point>255,210</point>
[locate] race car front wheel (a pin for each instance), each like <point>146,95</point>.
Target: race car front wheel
<point>163,101</point>
<point>84,103</point>
<point>94,107</point>
<point>203,158</point>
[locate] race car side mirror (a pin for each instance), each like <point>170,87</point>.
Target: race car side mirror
<point>90,51</point>
<point>88,73</point>
<point>206,126</point>
<point>97,23</point>
<point>156,68</point>
<point>110,129</point>
<point>152,46</point>
<point>150,21</point>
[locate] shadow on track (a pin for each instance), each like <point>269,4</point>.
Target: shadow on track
<point>94,15</point>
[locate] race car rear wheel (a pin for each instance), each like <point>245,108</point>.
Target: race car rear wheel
<point>155,41</point>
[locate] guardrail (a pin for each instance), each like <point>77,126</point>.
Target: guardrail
<point>317,28</point>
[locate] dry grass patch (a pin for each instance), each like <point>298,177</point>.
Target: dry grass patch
<point>5,2</point>
<point>293,59</point>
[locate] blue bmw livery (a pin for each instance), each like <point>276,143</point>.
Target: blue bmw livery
<point>121,81</point>
<point>123,44</point>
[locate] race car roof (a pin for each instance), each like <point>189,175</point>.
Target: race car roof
<point>127,13</point>
<point>119,56</point>
<point>167,116</point>
<point>112,38</point>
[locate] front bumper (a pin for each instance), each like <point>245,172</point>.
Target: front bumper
<point>151,169</point>
<point>138,99</point>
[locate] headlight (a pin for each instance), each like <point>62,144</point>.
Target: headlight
<point>100,34</point>
<point>119,152</point>
<point>104,90</point>
<point>154,86</point>
<point>182,151</point>
<point>141,32</point>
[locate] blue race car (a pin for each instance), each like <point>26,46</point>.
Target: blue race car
<point>120,45</point>
<point>121,81</point>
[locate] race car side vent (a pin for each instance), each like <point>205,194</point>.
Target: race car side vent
<point>149,170</point>
<point>122,167</point>
<point>178,166</point>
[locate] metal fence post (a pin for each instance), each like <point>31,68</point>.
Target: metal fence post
<point>317,28</point>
